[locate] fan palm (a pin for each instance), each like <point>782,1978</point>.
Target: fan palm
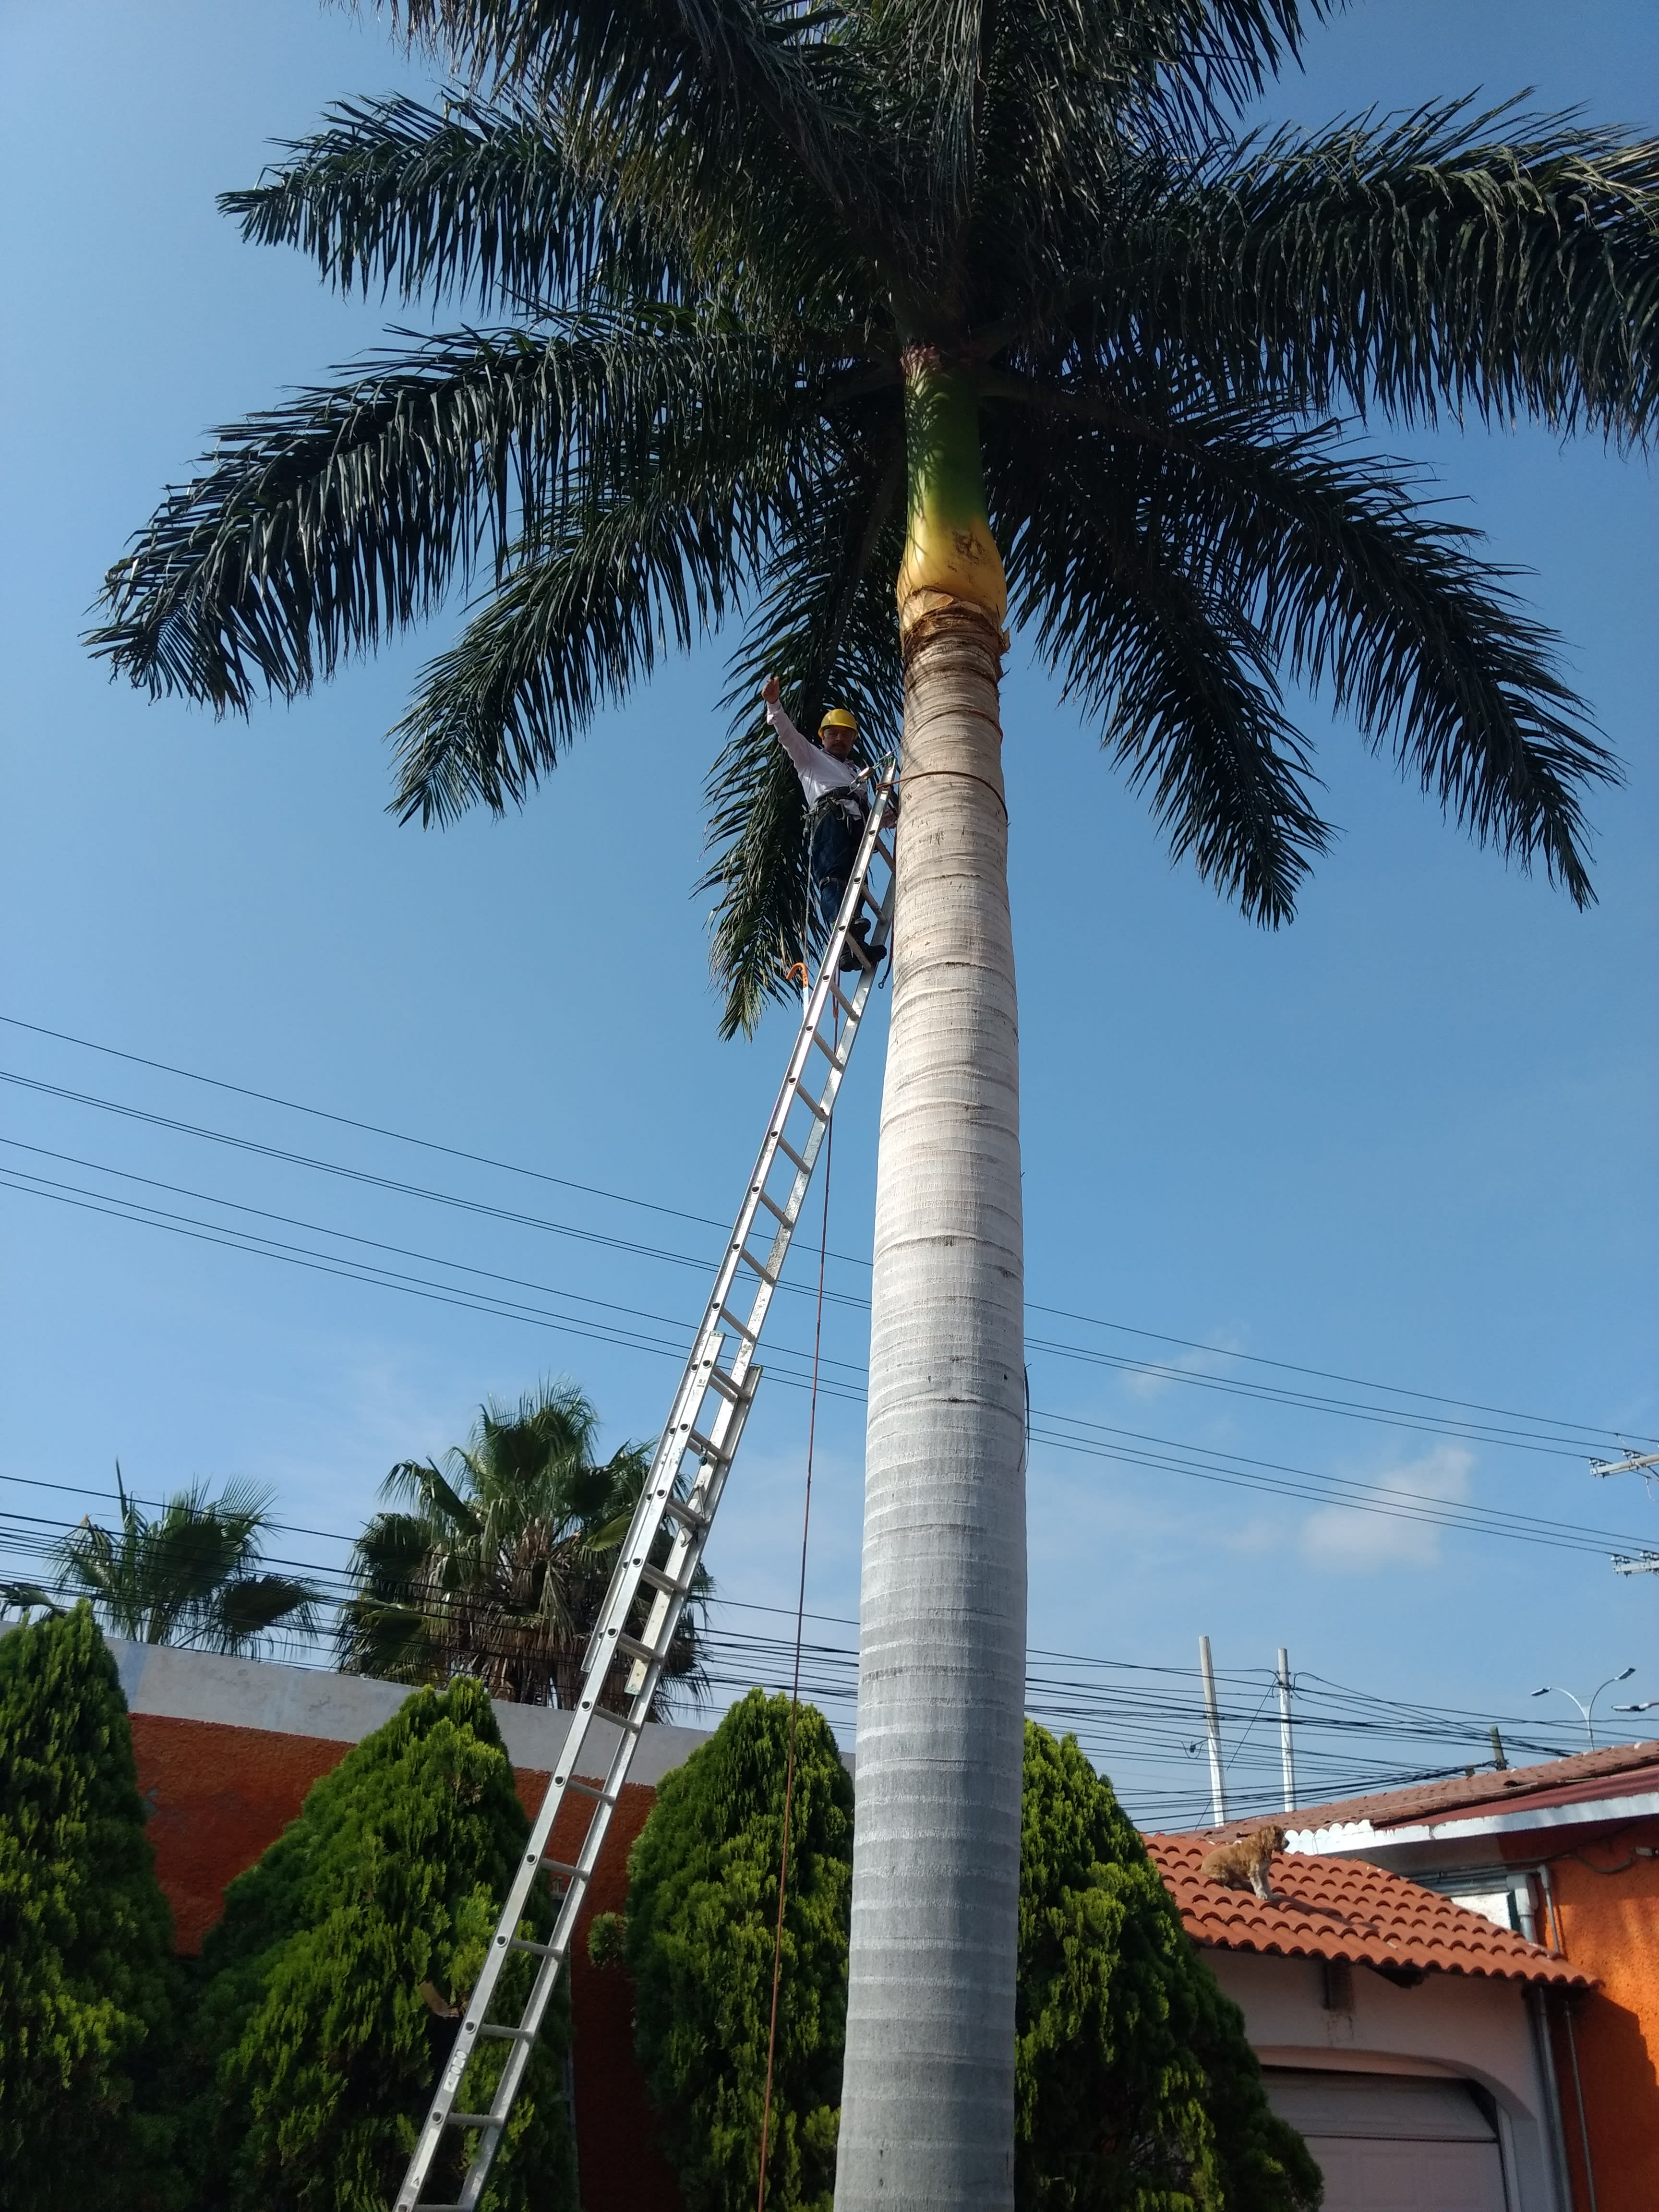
<point>780,305</point>
<point>190,1576</point>
<point>497,1567</point>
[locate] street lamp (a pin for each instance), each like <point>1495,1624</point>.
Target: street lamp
<point>1646,1706</point>
<point>1554,1690</point>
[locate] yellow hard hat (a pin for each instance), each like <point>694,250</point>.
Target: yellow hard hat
<point>838,717</point>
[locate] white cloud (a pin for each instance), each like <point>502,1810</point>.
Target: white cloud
<point>1359,1542</point>
<point>1262,1532</point>
<point>1202,1359</point>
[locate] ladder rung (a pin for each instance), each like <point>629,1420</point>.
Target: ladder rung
<point>764,1272</point>
<point>597,1792</point>
<point>666,1583</point>
<point>559,1866</point>
<point>688,1516</point>
<point>741,1327</point>
<point>812,1105</point>
<point>772,1207</point>
<point>846,1005</point>
<point>834,1058</point>
<point>524,1943</point>
<point>493,2035</point>
<point>631,1648</point>
<point>790,1153</point>
<point>705,1447</point>
<point>473,2120</point>
<point>731,1390</point>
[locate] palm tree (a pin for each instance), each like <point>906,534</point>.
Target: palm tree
<point>798,301</point>
<point>497,1568</point>
<point>190,1576</point>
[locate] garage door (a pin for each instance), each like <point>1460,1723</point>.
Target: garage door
<point>1394,2143</point>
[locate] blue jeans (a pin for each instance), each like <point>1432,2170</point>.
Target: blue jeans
<point>835,850</point>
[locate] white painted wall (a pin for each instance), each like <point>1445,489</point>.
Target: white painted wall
<point>1465,2026</point>
<point>258,1693</point>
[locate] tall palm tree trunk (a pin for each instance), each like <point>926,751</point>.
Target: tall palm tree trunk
<point>927,2102</point>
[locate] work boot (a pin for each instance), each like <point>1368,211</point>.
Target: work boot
<point>855,953</point>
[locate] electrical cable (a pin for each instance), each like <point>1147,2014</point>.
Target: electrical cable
<point>344,1236</point>
<point>370,1128</point>
<point>1385,1501</point>
<point>1583,1431</point>
<point>273,1248</point>
<point>1374,1715</point>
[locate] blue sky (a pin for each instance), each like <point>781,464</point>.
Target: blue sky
<point>1409,1139</point>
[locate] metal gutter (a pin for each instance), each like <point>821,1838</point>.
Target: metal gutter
<point>1319,1843</point>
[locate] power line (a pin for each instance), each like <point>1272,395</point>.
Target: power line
<point>1553,1445</point>
<point>383,1279</point>
<point>1329,1490</point>
<point>349,1237</point>
<point>1411,1502</point>
<point>1390,1502</point>
<point>1127,1707</point>
<point>623,1198</point>
<point>371,1129</point>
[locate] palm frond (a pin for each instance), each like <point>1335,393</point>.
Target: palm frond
<point>1419,264</point>
<point>29,1597</point>
<point>578,623</point>
<point>252,1607</point>
<point>1191,704</point>
<point>468,197</point>
<point>708,64</point>
<point>1181,677</point>
<point>1348,582</point>
<point>190,1574</point>
<point>323,526</point>
<point>825,625</point>
<point>500,1571</point>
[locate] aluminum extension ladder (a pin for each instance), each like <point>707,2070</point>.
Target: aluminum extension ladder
<point>682,1492</point>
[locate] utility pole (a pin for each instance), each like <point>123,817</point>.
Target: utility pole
<point>1632,1463</point>
<point>1213,1730</point>
<point>1286,1748</point>
<point>1628,1563</point>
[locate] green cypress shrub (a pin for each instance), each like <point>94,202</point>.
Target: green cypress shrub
<point>1136,2089</point>
<point>332,1980</point>
<point>86,1980</point>
<point>702,1901</point>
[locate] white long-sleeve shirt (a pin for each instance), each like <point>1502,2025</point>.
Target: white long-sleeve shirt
<point>822,777</point>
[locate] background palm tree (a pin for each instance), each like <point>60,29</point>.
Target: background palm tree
<point>799,303</point>
<point>190,1576</point>
<point>497,1564</point>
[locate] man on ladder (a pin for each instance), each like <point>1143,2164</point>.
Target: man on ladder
<point>836,810</point>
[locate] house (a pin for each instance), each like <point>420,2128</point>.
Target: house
<point>226,1750</point>
<point>1565,1852</point>
<point>1395,2024</point>
<point>1402,2033</point>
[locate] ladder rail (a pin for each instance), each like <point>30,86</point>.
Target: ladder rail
<point>682,1492</point>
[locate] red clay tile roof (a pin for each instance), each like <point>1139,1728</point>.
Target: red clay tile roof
<point>1338,1908</point>
<point>1486,1791</point>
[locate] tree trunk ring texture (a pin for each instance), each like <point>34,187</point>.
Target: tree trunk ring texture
<point>929,2099</point>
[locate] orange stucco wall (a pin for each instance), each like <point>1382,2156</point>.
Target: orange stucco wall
<point>1607,1902</point>
<point>217,1795</point>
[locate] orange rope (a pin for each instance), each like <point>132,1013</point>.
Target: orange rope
<point>794,1694</point>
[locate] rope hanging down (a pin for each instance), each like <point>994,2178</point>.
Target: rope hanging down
<point>795,1694</point>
